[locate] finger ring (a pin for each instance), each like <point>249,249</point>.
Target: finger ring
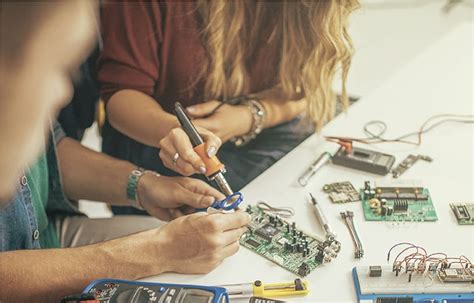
<point>175,158</point>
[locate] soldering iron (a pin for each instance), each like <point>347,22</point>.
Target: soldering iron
<point>214,168</point>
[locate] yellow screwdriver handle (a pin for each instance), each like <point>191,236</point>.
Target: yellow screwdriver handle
<point>279,289</point>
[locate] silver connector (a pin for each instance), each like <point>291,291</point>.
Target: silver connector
<point>222,184</point>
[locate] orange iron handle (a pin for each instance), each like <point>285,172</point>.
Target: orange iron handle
<point>213,165</point>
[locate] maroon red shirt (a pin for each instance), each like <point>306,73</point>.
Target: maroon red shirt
<point>155,48</point>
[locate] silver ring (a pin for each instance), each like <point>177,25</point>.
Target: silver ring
<point>175,158</point>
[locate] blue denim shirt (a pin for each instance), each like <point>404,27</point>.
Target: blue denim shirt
<point>18,222</point>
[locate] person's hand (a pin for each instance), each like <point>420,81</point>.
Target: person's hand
<point>177,153</point>
<point>227,122</point>
<point>198,243</point>
<point>167,198</point>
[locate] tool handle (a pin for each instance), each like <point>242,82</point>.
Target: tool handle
<point>213,165</point>
<point>187,125</point>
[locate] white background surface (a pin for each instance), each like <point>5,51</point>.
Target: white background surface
<point>433,83</point>
<point>411,62</point>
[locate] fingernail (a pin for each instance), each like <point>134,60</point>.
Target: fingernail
<point>191,109</point>
<point>211,151</point>
<point>249,216</point>
<point>202,169</point>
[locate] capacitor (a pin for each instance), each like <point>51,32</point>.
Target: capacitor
<point>299,248</point>
<point>389,211</point>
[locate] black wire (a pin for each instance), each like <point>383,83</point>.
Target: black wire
<point>232,101</point>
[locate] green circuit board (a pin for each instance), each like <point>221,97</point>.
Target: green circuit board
<point>398,204</point>
<point>464,213</point>
<point>282,243</point>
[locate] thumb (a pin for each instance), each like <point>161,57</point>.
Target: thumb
<point>197,193</point>
<point>203,109</point>
<point>195,200</point>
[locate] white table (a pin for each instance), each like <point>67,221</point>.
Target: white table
<point>440,80</point>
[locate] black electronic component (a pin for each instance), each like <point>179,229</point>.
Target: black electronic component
<point>365,160</point>
<point>254,243</point>
<point>400,205</point>
<point>464,213</point>
<point>375,271</point>
<point>267,232</point>
<point>304,269</point>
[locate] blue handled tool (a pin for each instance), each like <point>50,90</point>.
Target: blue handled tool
<point>230,202</point>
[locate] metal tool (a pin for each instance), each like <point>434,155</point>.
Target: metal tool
<point>257,289</point>
<point>322,218</point>
<point>348,218</point>
<point>323,159</point>
<point>214,168</point>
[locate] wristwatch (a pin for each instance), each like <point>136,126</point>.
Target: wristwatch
<point>259,116</point>
<point>132,186</point>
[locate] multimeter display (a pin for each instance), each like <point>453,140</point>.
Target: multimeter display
<point>121,291</point>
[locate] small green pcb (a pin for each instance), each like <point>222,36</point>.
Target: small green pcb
<point>464,213</point>
<point>397,203</point>
<point>280,242</point>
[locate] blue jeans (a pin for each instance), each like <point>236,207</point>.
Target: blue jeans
<point>243,164</point>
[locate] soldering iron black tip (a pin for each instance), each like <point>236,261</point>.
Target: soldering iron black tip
<point>312,198</point>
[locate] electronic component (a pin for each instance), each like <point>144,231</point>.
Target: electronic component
<point>364,160</point>
<point>421,289</point>
<point>282,243</point>
<point>401,200</point>
<point>464,213</point>
<point>348,218</point>
<point>407,163</point>
<point>341,192</point>
<point>456,275</point>
<point>375,271</point>
<point>267,232</point>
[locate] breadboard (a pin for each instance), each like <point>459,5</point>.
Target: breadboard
<point>388,283</point>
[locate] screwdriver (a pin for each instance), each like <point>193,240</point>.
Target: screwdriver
<point>322,218</point>
<point>297,287</point>
<point>315,166</point>
<point>214,168</point>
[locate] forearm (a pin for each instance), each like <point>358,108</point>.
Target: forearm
<point>279,109</point>
<point>139,116</point>
<point>47,275</point>
<point>89,175</point>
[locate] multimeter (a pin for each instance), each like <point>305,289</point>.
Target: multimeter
<point>122,291</point>
<point>364,159</point>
